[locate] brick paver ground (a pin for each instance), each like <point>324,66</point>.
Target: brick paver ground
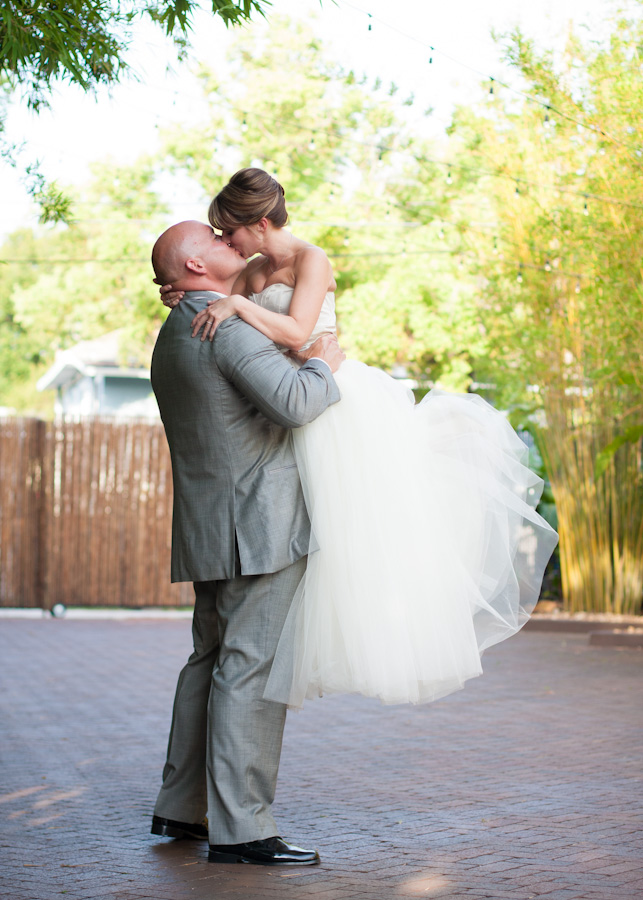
<point>527,784</point>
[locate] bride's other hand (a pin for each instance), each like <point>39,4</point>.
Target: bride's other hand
<point>216,311</point>
<point>169,296</point>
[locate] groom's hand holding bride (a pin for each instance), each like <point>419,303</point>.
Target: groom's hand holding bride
<point>325,348</point>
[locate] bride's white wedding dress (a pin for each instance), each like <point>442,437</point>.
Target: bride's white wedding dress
<point>426,546</point>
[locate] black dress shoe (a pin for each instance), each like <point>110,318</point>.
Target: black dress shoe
<point>268,852</point>
<point>174,829</point>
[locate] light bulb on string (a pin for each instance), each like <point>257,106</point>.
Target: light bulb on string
<point>585,209</point>
<point>547,266</point>
<point>519,275</point>
<point>449,179</point>
<point>431,57</point>
<point>577,288</point>
<point>370,24</point>
<point>491,80</point>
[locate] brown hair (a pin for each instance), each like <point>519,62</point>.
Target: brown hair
<point>250,195</point>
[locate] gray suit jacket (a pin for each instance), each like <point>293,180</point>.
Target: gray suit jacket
<point>228,407</point>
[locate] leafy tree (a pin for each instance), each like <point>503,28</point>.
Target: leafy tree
<point>76,283</point>
<point>559,261</point>
<point>82,42</point>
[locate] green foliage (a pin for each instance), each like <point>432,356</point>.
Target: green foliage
<point>79,42</point>
<point>82,42</point>
<point>562,265</point>
<point>561,296</point>
<point>632,435</point>
<point>76,283</point>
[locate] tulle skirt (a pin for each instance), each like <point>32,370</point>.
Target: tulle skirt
<point>426,547</point>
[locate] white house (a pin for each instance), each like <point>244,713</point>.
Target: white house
<point>90,381</point>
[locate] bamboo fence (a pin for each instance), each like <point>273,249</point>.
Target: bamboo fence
<point>85,515</point>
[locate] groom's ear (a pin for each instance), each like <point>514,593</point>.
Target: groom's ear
<point>194,264</point>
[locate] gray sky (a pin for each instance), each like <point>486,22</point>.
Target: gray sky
<point>80,129</point>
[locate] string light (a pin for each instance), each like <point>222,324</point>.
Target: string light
<point>562,189</point>
<point>459,257</point>
<point>482,172</point>
<point>636,152</point>
<point>312,145</point>
<point>545,268</point>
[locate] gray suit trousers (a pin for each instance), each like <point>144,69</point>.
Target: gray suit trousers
<point>225,739</point>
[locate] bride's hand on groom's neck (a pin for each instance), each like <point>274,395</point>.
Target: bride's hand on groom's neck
<point>169,296</point>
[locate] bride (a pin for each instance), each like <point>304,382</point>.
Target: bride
<point>426,546</point>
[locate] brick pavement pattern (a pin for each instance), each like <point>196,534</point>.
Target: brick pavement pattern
<point>527,784</point>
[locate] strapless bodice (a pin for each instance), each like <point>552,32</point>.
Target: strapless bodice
<point>277,297</point>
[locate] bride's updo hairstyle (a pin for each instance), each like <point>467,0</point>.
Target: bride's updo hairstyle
<point>249,196</point>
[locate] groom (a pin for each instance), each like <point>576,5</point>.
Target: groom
<point>240,532</point>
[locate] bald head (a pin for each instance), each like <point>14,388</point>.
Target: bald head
<point>189,256</point>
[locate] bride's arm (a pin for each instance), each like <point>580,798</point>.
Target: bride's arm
<point>312,274</point>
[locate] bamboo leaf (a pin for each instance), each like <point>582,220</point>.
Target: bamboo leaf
<point>604,458</point>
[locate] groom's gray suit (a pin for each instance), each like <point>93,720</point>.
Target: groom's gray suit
<point>240,532</point>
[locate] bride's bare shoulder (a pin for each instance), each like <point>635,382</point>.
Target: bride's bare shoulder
<point>312,260</point>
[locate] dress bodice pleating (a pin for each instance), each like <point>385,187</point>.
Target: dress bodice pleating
<point>277,297</point>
